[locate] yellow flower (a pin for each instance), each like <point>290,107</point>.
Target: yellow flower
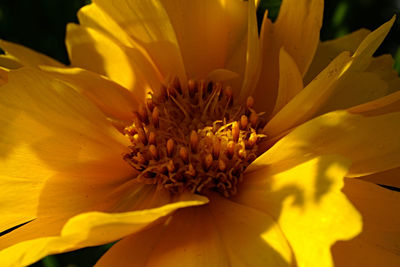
<point>193,140</point>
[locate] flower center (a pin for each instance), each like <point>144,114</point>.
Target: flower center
<point>193,138</point>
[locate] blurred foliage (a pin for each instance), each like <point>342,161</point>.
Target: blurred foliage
<point>40,25</point>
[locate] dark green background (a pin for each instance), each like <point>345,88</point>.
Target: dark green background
<point>40,24</point>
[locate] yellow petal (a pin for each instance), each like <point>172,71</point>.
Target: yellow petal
<point>383,67</point>
<point>26,56</point>
<point>145,24</point>
<point>189,238</point>
<point>9,62</point>
<point>331,83</point>
<point>363,55</point>
<point>134,250</point>
<point>65,196</point>
<point>306,103</point>
<point>383,105</point>
<point>253,63</point>
<point>371,143</point>
<point>378,243</point>
<point>89,229</point>
<point>114,100</point>
<point>328,50</point>
<point>94,51</point>
<point>251,237</point>
<point>221,75</point>
<point>355,89</point>
<point>208,31</point>
<point>3,76</point>
<point>390,177</point>
<point>92,16</point>
<point>307,202</point>
<point>297,29</point>
<point>266,89</point>
<point>222,234</point>
<point>290,80</point>
<point>48,128</point>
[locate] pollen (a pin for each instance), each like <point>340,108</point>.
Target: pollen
<point>194,138</point>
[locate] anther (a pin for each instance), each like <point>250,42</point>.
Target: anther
<point>136,138</point>
<point>143,114</point>
<point>171,166</point>
<point>152,138</point>
<point>230,149</point>
<point>194,141</point>
<point>191,171</point>
<point>155,116</point>
<point>183,153</point>
<point>140,158</point>
<point>136,120</point>
<point>171,91</point>
<point>142,135</point>
<point>216,147</point>
<point>163,93</point>
<point>208,160</point>
<point>218,89</point>
<point>235,131</point>
<point>150,103</point>
<point>192,87</point>
<point>153,152</point>
<point>210,136</point>
<point>242,153</point>
<point>244,121</point>
<point>221,165</point>
<point>250,102</point>
<point>252,140</point>
<point>130,130</point>
<point>177,85</point>
<point>170,147</point>
<point>253,119</point>
<point>229,95</point>
<point>202,88</point>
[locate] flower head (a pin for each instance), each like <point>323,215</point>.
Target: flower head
<point>193,139</point>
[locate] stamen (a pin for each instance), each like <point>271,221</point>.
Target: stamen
<point>170,147</point>
<point>208,160</point>
<point>243,122</point>
<point>194,141</point>
<point>143,114</point>
<point>150,103</point>
<point>250,102</point>
<point>177,85</point>
<point>230,149</point>
<point>153,151</point>
<point>183,153</point>
<point>216,147</point>
<point>221,165</point>
<point>142,135</point>
<point>191,171</point>
<point>155,117</point>
<point>171,166</point>
<point>152,138</point>
<point>192,86</point>
<point>193,138</point>
<point>252,140</point>
<point>253,119</point>
<point>235,131</point>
